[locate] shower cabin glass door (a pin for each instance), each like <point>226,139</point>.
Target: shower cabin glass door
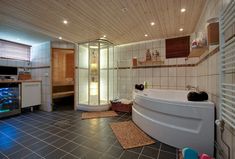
<point>95,80</point>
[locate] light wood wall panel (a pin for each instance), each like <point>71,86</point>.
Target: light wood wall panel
<point>62,66</point>
<point>91,19</point>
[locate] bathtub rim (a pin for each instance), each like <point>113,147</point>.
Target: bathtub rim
<point>142,95</point>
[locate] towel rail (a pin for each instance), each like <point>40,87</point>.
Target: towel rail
<point>228,106</point>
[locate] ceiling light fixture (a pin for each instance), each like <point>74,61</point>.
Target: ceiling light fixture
<point>124,9</point>
<point>104,36</point>
<point>183,10</point>
<point>60,38</point>
<point>145,35</point>
<point>181,29</point>
<point>65,21</point>
<point>152,23</point>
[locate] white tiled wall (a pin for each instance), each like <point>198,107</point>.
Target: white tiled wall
<point>161,77</point>
<point>209,77</point>
<point>41,70</point>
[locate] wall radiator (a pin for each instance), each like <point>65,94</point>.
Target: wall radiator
<point>227,47</point>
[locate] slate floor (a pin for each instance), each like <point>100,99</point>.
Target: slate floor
<point>62,134</point>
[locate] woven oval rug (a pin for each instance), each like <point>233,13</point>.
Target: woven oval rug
<point>129,135</point>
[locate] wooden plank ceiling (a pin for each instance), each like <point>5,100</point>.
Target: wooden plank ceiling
<point>91,19</point>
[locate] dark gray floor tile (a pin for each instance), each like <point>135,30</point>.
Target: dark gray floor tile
<point>114,151</point>
<point>10,148</point>
<point>92,155</point>
<point>2,156</point>
<point>56,154</point>
<point>106,156</point>
<point>137,149</point>
<point>44,136</point>
<point>45,150</point>
<point>70,136</point>
<point>168,148</point>
<point>20,154</point>
<point>60,142</point>
<point>38,145</point>
<point>32,156</point>
<point>51,139</point>
<point>148,151</point>
<point>28,143</point>
<point>166,155</point>
<point>129,155</point>
<point>69,147</point>
<point>69,156</point>
<point>155,145</point>
<point>80,151</point>
<point>144,157</point>
<point>80,139</point>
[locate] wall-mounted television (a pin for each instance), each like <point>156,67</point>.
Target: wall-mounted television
<point>6,71</point>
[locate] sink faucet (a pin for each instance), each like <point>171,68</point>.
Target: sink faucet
<point>189,87</point>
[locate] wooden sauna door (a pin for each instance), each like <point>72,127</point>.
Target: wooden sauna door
<point>62,66</point>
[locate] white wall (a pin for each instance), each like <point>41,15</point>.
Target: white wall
<point>209,75</point>
<point>41,70</point>
<point>175,73</point>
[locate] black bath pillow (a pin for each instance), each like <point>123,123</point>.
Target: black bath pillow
<point>194,96</point>
<point>139,87</point>
<point>203,95</point>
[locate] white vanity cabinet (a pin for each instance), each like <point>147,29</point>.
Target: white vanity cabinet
<point>30,94</point>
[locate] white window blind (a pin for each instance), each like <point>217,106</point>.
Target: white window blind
<point>227,28</point>
<point>11,50</point>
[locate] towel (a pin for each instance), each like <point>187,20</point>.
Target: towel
<point>205,156</point>
<point>189,153</point>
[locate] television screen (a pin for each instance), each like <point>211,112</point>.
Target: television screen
<point>8,70</point>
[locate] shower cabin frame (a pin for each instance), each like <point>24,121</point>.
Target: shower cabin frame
<point>90,104</point>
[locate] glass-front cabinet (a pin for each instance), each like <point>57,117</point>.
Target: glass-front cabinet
<point>95,75</point>
<point>9,99</point>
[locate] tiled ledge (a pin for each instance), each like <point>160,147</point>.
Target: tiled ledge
<point>216,50</point>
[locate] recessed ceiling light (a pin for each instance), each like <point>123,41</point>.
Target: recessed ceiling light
<point>60,38</point>
<point>145,35</point>
<point>65,21</point>
<point>104,36</point>
<point>124,9</point>
<point>183,10</point>
<point>152,23</point>
<point>181,29</point>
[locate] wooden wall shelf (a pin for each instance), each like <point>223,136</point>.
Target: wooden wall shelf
<point>149,63</point>
<point>197,52</point>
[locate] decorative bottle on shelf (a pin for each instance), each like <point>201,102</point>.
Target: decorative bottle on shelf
<point>148,55</point>
<point>155,56</point>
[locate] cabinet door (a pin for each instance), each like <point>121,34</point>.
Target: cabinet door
<point>31,94</point>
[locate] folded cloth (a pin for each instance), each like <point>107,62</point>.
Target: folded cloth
<point>125,101</point>
<point>189,153</point>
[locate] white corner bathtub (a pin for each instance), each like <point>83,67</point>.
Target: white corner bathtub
<point>169,117</point>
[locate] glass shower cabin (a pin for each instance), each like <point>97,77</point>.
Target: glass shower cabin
<point>96,75</point>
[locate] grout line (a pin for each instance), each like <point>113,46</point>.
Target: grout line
<point>4,155</point>
<point>159,151</point>
<point>141,152</point>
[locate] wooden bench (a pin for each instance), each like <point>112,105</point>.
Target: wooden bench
<point>62,91</point>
